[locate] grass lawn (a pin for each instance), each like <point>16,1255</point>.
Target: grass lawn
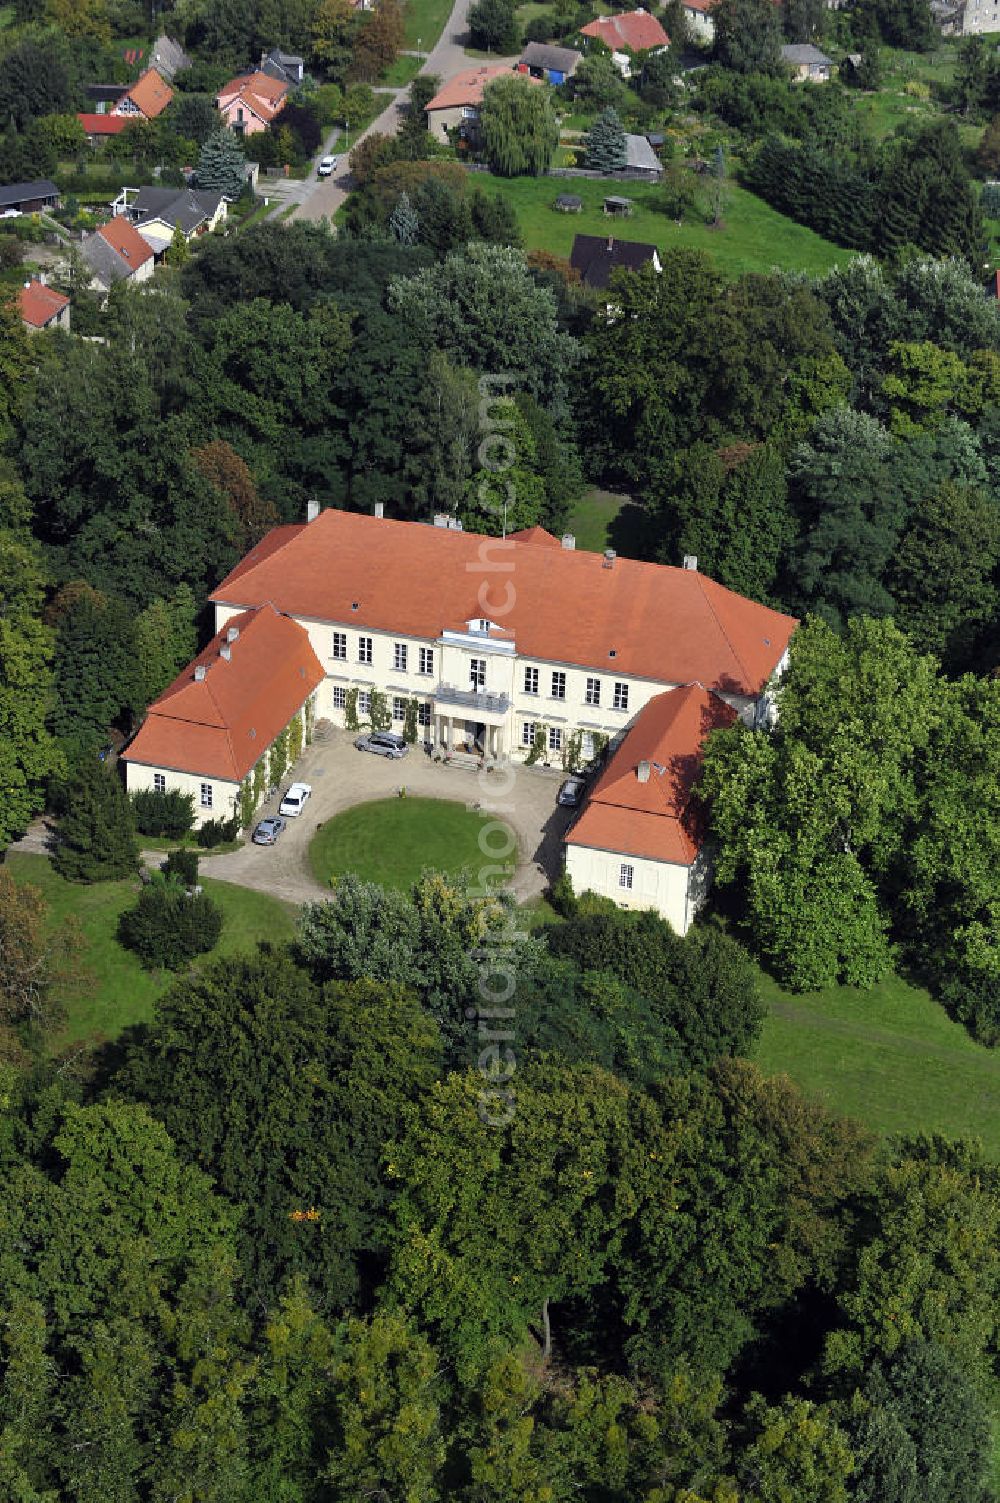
<point>392,840</point>
<point>591,518</point>
<point>403,71</point>
<point>890,1057</point>
<point>123,992</point>
<point>424,22</point>
<point>755,236</point>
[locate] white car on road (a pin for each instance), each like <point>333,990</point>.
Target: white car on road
<point>294,800</point>
<point>327,166</point>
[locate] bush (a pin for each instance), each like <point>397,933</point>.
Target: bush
<point>183,865</point>
<point>168,927</point>
<point>97,830</point>
<point>562,897</point>
<point>163,814</point>
<point>218,832</point>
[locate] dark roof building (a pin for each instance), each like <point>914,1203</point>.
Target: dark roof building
<point>286,67</point>
<point>595,257</point>
<point>30,197</point>
<point>169,58</point>
<point>543,60</point>
<point>189,208</point>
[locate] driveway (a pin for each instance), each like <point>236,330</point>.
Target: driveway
<point>341,776</point>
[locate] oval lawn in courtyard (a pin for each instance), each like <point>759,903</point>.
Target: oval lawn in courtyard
<point>391,841</point>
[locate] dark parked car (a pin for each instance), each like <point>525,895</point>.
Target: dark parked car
<point>571,792</point>
<point>383,744</point>
<point>268,830</point>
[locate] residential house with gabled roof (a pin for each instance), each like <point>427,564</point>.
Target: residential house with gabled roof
<point>102,127</point>
<point>625,34</point>
<point>553,64</point>
<point>29,198</point>
<point>698,15</point>
<point>252,102</point>
<point>168,57</point>
<point>42,307</point>
<point>596,257</point>
<point>147,98</point>
<point>218,720</point>
<point>158,212</point>
<point>808,63</point>
<point>116,252</point>
<point>286,67</point>
<point>639,838</point>
<point>456,104</point>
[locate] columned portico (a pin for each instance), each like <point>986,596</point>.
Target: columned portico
<point>454,733</point>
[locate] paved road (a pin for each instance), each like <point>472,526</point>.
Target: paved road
<point>448,58</point>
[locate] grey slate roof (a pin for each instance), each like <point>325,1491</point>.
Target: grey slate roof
<point>595,257</point>
<point>169,57</point>
<point>106,264</point>
<point>641,154</point>
<point>184,206</point>
<point>286,67</point>
<point>805,52</point>
<point>542,55</point>
<point>18,193</point>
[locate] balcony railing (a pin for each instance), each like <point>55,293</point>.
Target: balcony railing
<point>472,699</point>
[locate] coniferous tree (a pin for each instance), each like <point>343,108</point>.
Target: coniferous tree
<point>606,148</point>
<point>222,164</point>
<point>404,222</point>
<point>97,832</point>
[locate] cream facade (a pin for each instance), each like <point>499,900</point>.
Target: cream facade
<point>673,891</point>
<point>476,694</point>
<point>214,798</point>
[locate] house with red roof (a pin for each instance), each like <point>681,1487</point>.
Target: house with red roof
<point>101,128</point>
<point>147,98</point>
<point>42,307</point>
<point>626,34</point>
<point>638,838</point>
<point>456,104</point>
<point>698,15</point>
<point>116,252</point>
<point>214,727</point>
<point>252,102</point>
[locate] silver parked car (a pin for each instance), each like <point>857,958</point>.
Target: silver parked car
<point>383,744</point>
<point>268,830</point>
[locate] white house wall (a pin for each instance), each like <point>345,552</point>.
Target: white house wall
<point>659,885</point>
<point>225,795</point>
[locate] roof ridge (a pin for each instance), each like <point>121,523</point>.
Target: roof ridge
<point>718,621</point>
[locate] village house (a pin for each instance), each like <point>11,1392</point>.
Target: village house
<point>699,18</point>
<point>100,128</point>
<point>552,65</point>
<point>625,34</point>
<point>808,64</point>
<point>286,67</point>
<point>147,98</point>
<point>456,105</point>
<point>116,252</point>
<point>638,838</point>
<point>158,212</point>
<point>168,57</point>
<point>596,257</point>
<point>252,102</point>
<point>42,307</point>
<point>28,198</point>
<point>519,648</point>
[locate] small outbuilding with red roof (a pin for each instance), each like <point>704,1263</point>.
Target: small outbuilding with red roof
<point>116,252</point>
<point>626,34</point>
<point>42,307</point>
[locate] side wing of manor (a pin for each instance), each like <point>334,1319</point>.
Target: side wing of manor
<point>524,648</point>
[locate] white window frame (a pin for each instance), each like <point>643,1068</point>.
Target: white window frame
<point>399,657</point>
<point>626,875</point>
<point>398,707</point>
<point>364,702</point>
<point>588,747</point>
<point>531,680</point>
<point>558,683</point>
<point>425,661</point>
<point>423,714</point>
<point>477,673</point>
<point>592,695</point>
<point>159,782</point>
<point>206,796</point>
<point>555,738</point>
<point>338,646</point>
<point>528,734</point>
<point>365,650</point>
<point>339,699</point>
<point>621,695</point>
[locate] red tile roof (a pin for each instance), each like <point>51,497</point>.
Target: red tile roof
<point>635,30</point>
<point>654,819</point>
<point>150,94</point>
<point>466,88</point>
<point>123,237</point>
<point>39,305</point>
<point>535,535</point>
<point>261,93</point>
<point>104,125</point>
<point>646,620</point>
<point>219,725</point>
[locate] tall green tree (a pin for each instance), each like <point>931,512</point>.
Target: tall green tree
<point>493,26</point>
<point>748,36</point>
<point>96,839</point>
<point>222,164</point>
<point>518,126</point>
<point>28,755</point>
<point>605,142</point>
